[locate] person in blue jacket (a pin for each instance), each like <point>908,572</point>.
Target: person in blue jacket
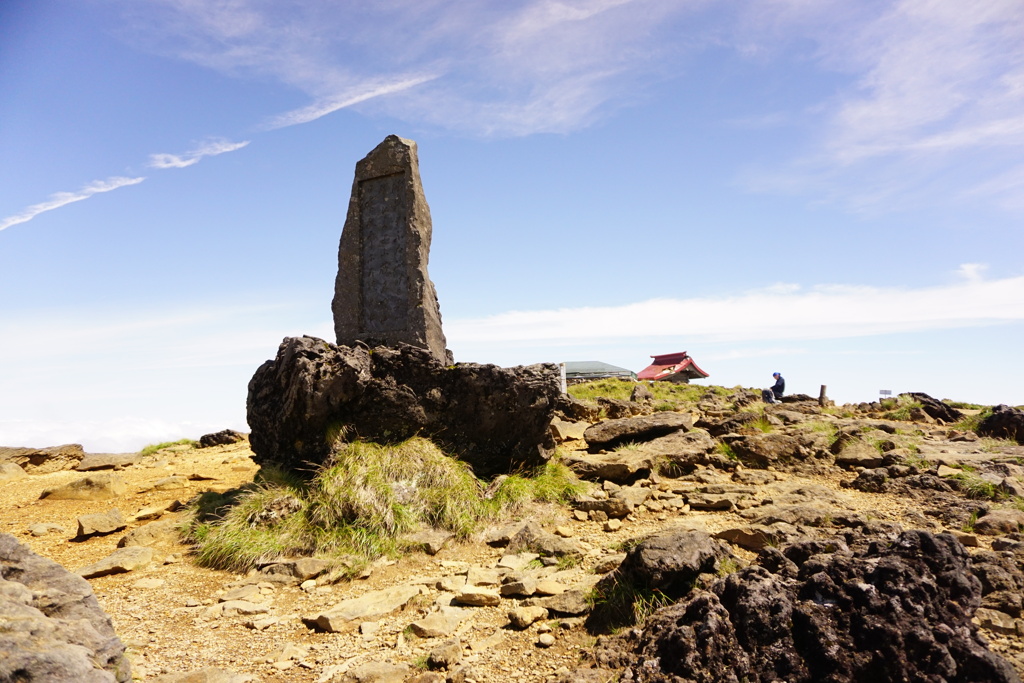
<point>775,393</point>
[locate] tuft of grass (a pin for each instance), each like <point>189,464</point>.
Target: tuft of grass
<point>915,459</point>
<point>153,448</point>
<point>900,409</point>
<point>968,526</point>
<point>993,445</point>
<point>973,486</point>
<point>358,505</point>
<point>624,604</point>
<point>727,565</point>
<point>726,450</point>
<point>969,423</point>
<point>762,424</point>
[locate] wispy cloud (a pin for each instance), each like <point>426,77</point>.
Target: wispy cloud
<point>931,107</point>
<point>64,198</point>
<point>333,104</point>
<point>207,149</point>
<point>821,312</point>
<point>494,69</point>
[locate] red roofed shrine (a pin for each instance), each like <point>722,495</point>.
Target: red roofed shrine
<point>672,367</point>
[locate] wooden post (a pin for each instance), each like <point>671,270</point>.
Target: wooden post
<point>822,398</point>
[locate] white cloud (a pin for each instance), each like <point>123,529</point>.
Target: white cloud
<point>821,312</point>
<point>60,199</point>
<point>207,149</point>
<point>330,105</point>
<point>504,69</point>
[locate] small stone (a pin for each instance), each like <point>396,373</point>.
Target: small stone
<point>148,583</point>
<point>546,640</point>
<point>523,617</point>
<point>613,525</point>
<point>480,576</point>
<point>517,562</point>
<point>43,528</point>
<point>445,655</point>
<point>549,587</point>
<point>580,515</point>
<point>564,532</point>
<point>478,597</point>
<point>598,516</point>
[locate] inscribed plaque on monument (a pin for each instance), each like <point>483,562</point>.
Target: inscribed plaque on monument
<point>383,295</point>
<point>385,282</point>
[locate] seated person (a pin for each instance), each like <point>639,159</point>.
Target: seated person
<point>775,393</point>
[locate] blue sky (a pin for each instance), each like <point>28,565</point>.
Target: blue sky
<point>831,189</point>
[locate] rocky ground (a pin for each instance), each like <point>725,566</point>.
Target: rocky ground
<point>515,600</point>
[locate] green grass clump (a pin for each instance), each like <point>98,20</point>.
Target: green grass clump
<point>762,424</point>
<point>726,450</point>
<point>666,393</point>
<point>610,387</point>
<point>153,448</point>
<point>829,429</point>
<point>358,505</point>
<point>899,408</point>
<point>969,423</point>
<point>973,486</point>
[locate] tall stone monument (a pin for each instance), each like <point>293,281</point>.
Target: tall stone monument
<point>383,295</point>
<point>390,377</point>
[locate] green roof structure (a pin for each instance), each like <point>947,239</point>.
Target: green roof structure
<point>594,369</point>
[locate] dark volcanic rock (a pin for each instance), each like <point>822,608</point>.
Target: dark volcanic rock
<point>611,433</point>
<point>1004,423</point>
<point>314,393</point>
<point>887,612</point>
<point>935,408</point>
<point>52,628</point>
<point>224,437</point>
<point>667,564</point>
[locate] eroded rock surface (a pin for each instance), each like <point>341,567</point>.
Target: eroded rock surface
<point>876,612</point>
<point>314,392</point>
<point>51,626</point>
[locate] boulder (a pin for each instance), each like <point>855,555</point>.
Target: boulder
<point>44,460</point>
<point>102,486</point>
<point>225,437</point>
<point>668,563</point>
<point>106,461</point>
<point>611,433</point>
<point>762,450</point>
<point>10,471</point>
<point>573,409</point>
<point>53,627</point>
<point>996,522</point>
<point>641,394</point>
<point>857,453</point>
<point>563,430</point>
<point>899,611</point>
<point>732,424</point>
<point>620,467</point>
<point>531,537</point>
<point>1003,423</point>
<point>152,535</point>
<point>683,451</point>
<point>100,523</point>
<point>345,614</point>
<point>496,419</point>
<point>934,408</point>
<point>616,408</point>
<point>118,562</point>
